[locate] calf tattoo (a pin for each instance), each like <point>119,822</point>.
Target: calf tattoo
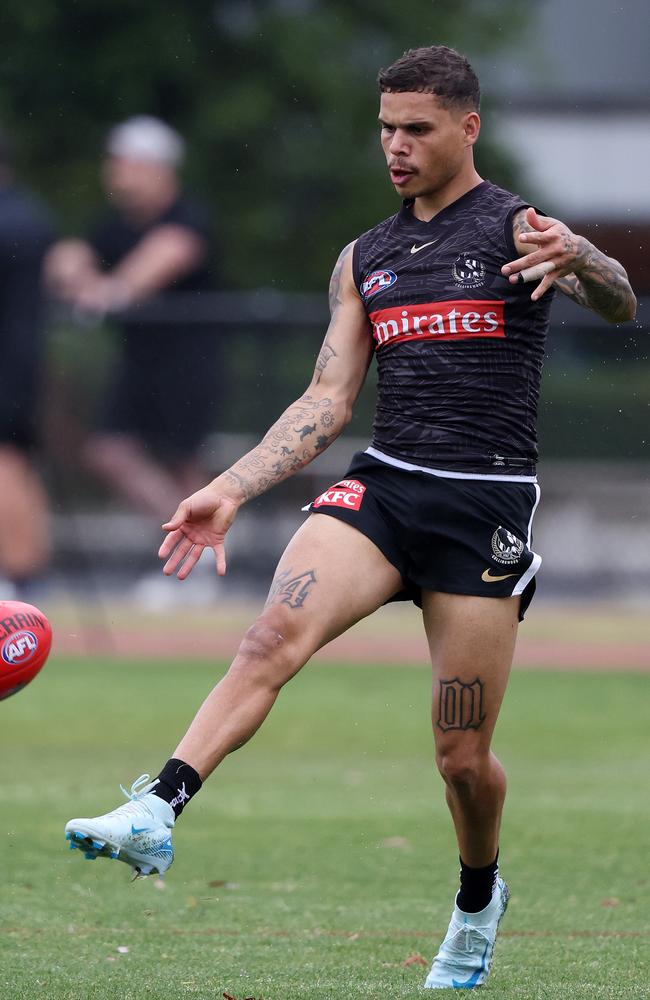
<point>461,705</point>
<point>291,590</point>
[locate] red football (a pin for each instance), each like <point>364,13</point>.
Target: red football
<point>25,640</point>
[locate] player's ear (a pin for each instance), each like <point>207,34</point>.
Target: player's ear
<point>471,126</point>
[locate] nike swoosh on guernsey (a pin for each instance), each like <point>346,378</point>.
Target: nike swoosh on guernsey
<point>415,249</point>
<point>487,577</point>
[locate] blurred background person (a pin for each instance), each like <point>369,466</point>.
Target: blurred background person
<point>155,240</point>
<point>26,231</point>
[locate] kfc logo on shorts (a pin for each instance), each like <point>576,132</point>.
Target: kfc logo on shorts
<point>347,494</point>
<point>377,282</point>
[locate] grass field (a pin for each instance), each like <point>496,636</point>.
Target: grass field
<point>320,862</point>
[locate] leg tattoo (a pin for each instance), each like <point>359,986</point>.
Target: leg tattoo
<point>291,590</point>
<point>461,705</point>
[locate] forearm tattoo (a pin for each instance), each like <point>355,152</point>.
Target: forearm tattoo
<point>597,282</point>
<point>600,283</point>
<point>460,705</point>
<point>304,429</point>
<point>292,590</point>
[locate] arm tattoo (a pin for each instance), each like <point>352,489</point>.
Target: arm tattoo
<point>327,352</point>
<point>291,590</point>
<point>520,224</point>
<point>600,283</point>
<point>460,705</point>
<point>307,427</point>
<point>335,281</point>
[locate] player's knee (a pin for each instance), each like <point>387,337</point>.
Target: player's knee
<point>460,767</point>
<point>268,654</point>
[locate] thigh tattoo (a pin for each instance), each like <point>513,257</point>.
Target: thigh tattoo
<point>460,704</point>
<point>291,590</point>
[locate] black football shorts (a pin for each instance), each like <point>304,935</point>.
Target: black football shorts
<point>458,536</point>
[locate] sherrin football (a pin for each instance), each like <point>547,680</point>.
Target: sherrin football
<point>25,640</point>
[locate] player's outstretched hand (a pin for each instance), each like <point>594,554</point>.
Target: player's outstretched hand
<point>558,252</point>
<point>200,521</point>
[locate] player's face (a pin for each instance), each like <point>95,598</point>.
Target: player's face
<point>426,145</point>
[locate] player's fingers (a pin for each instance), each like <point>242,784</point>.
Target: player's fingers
<point>528,260</point>
<point>181,515</point>
<point>545,284</point>
<point>169,543</point>
<point>181,550</point>
<point>190,561</point>
<point>220,557</point>
<point>539,222</point>
<point>534,273</point>
<point>538,238</point>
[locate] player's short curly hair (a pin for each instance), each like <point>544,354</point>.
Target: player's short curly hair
<point>434,69</point>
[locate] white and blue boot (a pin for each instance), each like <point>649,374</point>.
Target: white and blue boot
<point>137,832</point>
<point>465,955</point>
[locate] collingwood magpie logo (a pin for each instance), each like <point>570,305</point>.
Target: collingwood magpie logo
<point>506,547</point>
<point>468,271</point>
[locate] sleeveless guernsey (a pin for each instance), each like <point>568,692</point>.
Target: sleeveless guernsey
<point>459,349</point>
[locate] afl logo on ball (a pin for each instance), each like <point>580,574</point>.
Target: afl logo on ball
<point>506,547</point>
<point>19,648</point>
<point>468,271</point>
<point>377,282</point>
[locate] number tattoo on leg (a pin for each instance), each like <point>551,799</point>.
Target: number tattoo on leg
<point>460,705</point>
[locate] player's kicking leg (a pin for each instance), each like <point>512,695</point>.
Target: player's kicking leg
<point>472,643</point>
<point>329,577</point>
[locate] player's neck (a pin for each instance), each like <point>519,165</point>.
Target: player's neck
<point>425,207</point>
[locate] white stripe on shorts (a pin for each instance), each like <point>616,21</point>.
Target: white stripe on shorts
<point>523,582</point>
<point>445,473</point>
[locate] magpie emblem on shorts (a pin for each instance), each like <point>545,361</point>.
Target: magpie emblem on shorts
<point>506,547</point>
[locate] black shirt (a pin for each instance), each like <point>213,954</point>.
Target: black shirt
<point>459,349</point>
<point>114,236</point>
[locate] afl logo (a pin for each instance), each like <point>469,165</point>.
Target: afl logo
<point>506,547</point>
<point>468,271</point>
<point>376,282</point>
<point>19,648</point>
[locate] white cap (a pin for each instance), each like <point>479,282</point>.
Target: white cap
<point>146,138</point>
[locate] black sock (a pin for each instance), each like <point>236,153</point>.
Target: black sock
<point>476,886</point>
<point>177,784</point>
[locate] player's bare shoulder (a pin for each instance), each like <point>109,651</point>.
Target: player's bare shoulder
<point>342,279</point>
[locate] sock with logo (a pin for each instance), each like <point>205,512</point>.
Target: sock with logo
<point>177,784</point>
<point>476,886</point>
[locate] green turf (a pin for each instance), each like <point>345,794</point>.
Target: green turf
<point>321,858</point>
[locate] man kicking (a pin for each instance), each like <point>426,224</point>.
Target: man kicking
<point>438,509</point>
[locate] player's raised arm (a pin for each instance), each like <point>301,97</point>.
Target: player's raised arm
<point>552,252</point>
<point>304,430</point>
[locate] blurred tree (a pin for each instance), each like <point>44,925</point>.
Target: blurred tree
<point>277,99</point>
